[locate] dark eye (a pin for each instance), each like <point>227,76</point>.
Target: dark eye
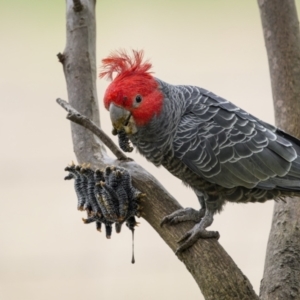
<point>138,99</point>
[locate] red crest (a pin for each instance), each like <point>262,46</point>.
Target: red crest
<point>121,63</point>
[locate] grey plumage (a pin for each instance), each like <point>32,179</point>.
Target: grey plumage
<point>219,149</point>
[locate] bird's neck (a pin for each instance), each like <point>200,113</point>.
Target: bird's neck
<point>155,139</point>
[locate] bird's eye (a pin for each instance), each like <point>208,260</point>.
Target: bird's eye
<point>138,99</point>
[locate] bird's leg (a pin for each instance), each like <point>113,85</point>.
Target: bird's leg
<point>198,231</point>
<point>182,215</point>
<point>203,218</point>
<point>186,214</point>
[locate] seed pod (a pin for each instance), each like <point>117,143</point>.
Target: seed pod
<point>109,201</point>
<point>79,185</point>
<point>107,196</point>
<point>124,142</point>
<point>92,201</point>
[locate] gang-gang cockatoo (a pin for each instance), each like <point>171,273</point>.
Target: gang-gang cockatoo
<point>219,150</point>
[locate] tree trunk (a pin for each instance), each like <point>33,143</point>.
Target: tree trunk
<point>79,62</point>
<point>280,23</point>
<point>214,271</point>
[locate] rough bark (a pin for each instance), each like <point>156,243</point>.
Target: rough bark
<point>79,63</point>
<point>280,23</point>
<point>214,271</point>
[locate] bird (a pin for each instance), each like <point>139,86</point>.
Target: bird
<point>217,149</point>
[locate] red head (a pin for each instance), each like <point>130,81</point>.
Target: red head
<point>134,89</point>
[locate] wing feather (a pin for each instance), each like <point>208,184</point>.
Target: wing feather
<point>229,147</point>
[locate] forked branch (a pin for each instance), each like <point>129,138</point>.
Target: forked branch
<point>213,269</point>
<point>76,117</point>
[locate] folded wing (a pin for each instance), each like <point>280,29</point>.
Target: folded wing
<point>229,147</point>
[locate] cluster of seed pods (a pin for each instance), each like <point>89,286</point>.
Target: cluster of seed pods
<point>107,196</point>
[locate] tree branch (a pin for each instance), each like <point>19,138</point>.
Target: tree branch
<point>76,117</point>
<point>207,260</point>
<point>282,38</point>
<point>214,271</point>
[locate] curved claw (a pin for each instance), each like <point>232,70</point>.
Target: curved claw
<point>193,235</point>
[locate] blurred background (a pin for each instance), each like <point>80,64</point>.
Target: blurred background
<point>45,250</point>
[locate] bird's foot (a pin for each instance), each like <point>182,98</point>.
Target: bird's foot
<point>182,215</point>
<point>203,218</point>
<point>197,232</point>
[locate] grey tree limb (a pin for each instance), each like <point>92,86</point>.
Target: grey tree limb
<point>76,117</point>
<point>281,279</point>
<point>79,64</point>
<point>207,260</point>
<point>212,268</point>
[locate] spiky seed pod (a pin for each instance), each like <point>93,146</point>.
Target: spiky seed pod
<point>133,194</point>
<point>117,201</point>
<point>110,202</point>
<point>123,204</point>
<point>108,209</point>
<point>113,180</point>
<point>98,191</point>
<point>79,186</point>
<point>116,188</point>
<point>89,174</point>
<point>127,185</point>
<point>122,195</point>
<point>124,142</point>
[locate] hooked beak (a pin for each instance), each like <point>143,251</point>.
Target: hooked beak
<point>121,119</point>
<point>118,116</point>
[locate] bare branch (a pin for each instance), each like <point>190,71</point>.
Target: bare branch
<point>79,64</point>
<point>76,117</point>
